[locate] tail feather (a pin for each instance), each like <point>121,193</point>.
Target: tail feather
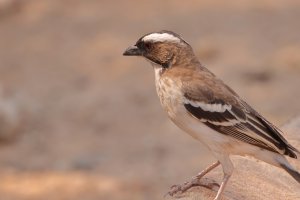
<point>291,171</point>
<point>292,152</point>
<point>298,154</point>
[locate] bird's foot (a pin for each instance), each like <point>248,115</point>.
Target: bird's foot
<point>190,184</point>
<point>181,188</point>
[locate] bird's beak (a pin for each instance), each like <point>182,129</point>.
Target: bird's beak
<point>132,51</point>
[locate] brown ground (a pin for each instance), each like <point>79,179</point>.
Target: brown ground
<point>92,127</point>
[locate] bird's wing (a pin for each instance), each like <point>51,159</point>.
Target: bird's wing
<point>226,113</point>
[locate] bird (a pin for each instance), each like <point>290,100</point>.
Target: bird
<point>203,106</point>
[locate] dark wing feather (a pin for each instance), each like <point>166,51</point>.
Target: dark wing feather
<point>243,124</point>
<point>273,131</point>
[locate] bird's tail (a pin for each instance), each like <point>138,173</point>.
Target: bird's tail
<point>298,155</point>
<point>291,170</point>
<point>280,161</point>
<point>293,152</point>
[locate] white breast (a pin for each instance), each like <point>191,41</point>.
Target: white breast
<point>168,91</point>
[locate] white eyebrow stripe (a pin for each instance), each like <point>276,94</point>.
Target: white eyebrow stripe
<point>161,37</point>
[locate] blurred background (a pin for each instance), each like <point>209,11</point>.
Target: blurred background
<point>80,121</point>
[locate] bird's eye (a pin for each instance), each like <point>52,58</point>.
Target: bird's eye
<point>147,46</point>
<point>139,44</point>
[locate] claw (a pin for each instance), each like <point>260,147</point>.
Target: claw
<point>184,187</point>
<point>175,189</point>
<point>194,182</point>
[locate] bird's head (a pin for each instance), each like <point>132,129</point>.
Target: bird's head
<point>164,48</point>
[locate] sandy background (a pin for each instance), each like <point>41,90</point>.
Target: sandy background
<point>80,121</point>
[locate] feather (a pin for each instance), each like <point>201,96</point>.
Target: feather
<point>241,123</point>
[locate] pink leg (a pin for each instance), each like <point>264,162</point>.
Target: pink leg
<point>223,184</point>
<point>206,170</point>
<point>227,170</point>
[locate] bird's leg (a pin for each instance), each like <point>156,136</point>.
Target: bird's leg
<point>206,170</point>
<point>223,184</point>
<point>194,182</point>
<point>227,170</point>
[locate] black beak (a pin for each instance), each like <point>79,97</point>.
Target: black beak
<point>132,51</point>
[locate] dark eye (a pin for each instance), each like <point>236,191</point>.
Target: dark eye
<point>139,44</point>
<point>147,46</point>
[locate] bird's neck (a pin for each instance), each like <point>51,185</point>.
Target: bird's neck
<point>186,58</point>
